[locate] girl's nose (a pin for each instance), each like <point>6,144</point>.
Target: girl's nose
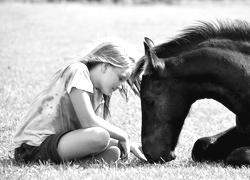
<point>119,87</point>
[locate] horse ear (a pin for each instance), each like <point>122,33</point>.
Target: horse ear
<point>146,48</point>
<point>154,63</point>
<point>148,45</point>
<point>149,42</point>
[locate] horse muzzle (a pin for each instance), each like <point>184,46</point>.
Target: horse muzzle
<point>162,158</point>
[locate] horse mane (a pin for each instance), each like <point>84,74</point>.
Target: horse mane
<point>193,35</point>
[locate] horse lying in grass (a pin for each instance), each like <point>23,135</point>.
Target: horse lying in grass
<point>210,60</point>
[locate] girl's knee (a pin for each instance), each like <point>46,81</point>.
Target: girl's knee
<point>83,142</point>
<point>101,138</point>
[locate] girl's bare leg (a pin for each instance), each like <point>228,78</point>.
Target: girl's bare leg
<point>80,143</point>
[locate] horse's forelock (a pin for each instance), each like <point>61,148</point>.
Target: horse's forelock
<point>147,68</point>
<point>143,67</point>
<point>139,68</point>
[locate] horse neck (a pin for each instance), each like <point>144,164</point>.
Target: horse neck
<point>220,75</point>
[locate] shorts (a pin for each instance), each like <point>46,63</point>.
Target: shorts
<point>46,152</point>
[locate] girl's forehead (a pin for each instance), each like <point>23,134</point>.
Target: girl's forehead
<point>125,72</point>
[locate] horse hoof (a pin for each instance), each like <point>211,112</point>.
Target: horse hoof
<point>239,157</point>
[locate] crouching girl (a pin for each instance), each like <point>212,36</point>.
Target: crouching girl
<point>62,123</point>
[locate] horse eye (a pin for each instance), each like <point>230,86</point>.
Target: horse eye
<point>149,102</point>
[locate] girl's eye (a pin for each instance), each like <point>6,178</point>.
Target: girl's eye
<point>121,79</point>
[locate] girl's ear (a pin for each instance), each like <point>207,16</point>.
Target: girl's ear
<point>104,67</point>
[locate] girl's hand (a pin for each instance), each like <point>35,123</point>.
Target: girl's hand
<point>136,149</point>
<point>125,146</point>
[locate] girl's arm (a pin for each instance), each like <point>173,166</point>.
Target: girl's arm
<point>87,117</point>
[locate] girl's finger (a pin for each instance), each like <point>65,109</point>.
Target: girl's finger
<point>139,154</point>
<point>126,149</point>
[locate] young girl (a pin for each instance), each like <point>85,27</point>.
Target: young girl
<point>62,123</point>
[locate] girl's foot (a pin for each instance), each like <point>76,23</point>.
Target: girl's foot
<point>109,155</point>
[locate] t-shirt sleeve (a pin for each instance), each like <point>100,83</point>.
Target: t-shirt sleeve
<point>78,77</point>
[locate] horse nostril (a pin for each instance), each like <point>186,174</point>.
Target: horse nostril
<point>168,156</point>
<point>149,158</point>
<point>147,155</point>
<point>172,155</point>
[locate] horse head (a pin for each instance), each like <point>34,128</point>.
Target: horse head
<point>163,108</point>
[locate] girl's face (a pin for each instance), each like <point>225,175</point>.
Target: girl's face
<point>112,78</point>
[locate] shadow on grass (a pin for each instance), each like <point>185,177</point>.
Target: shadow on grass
<point>213,164</point>
<point>89,163</point>
<point>7,162</point>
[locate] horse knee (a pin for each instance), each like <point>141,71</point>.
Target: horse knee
<point>199,151</point>
<point>240,156</point>
<point>100,138</point>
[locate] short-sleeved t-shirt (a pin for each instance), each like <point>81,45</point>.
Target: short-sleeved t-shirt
<point>52,112</point>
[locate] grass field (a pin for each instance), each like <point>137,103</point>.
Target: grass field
<point>37,39</point>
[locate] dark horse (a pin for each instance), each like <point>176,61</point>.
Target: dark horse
<point>210,60</point>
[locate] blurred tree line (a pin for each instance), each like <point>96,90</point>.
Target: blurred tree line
<point>123,1</point>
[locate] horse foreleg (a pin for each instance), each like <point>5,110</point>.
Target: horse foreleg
<point>241,155</point>
<point>238,157</point>
<point>217,147</point>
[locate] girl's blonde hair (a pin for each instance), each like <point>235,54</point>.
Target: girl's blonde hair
<point>115,55</point>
